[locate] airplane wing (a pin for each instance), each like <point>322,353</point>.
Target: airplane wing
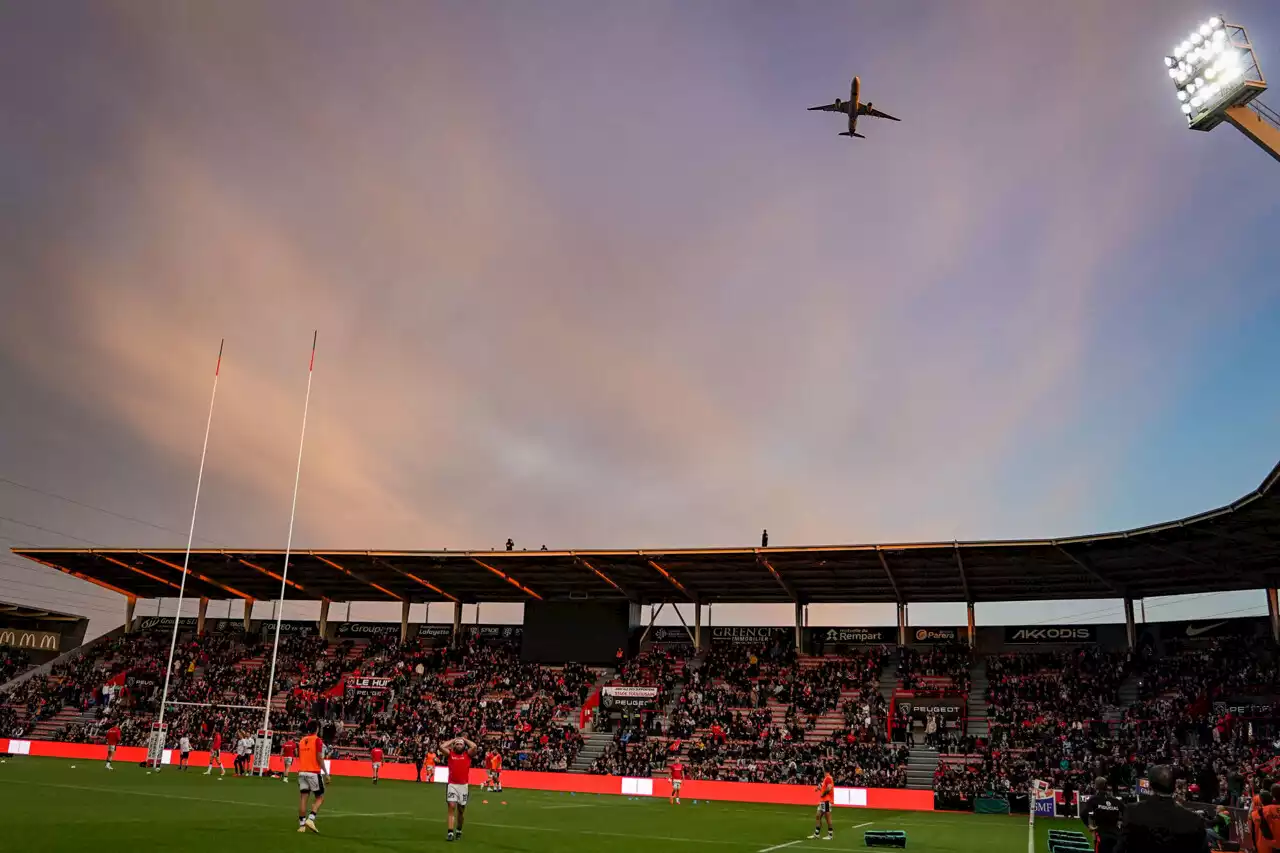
<point>875,113</point>
<point>838,107</point>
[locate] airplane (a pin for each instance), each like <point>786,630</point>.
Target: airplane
<point>854,108</point>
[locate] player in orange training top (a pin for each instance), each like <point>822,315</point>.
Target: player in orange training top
<point>311,775</point>
<point>826,796</point>
<point>375,756</point>
<point>113,740</point>
<point>494,763</point>
<point>677,779</point>
<point>456,794</point>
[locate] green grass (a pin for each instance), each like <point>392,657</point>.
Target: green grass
<point>49,804</point>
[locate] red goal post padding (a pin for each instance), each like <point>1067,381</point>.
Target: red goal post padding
<point>580,783</point>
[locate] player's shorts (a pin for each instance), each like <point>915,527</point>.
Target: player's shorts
<point>288,762</point>
<point>111,749</point>
<point>824,807</point>
<point>215,756</point>
<point>377,765</point>
<point>676,783</point>
<point>184,756</point>
<point>457,794</point>
<point>311,783</point>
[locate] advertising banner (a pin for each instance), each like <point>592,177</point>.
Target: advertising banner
<point>935,635</point>
<point>187,623</point>
<point>620,698</point>
<point>668,634</point>
<point>498,632</point>
<point>289,627</point>
<point>950,709</point>
<point>852,636</point>
<point>1031,634</point>
<point>434,632</point>
<point>40,641</point>
<point>1046,807</point>
<point>352,630</point>
<point>1209,629</point>
<point>367,683</point>
<point>758,636</point>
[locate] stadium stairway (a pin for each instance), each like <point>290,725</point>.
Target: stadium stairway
<point>889,680</point>
<point>44,730</point>
<point>976,725</point>
<point>593,746</point>
<point>922,762</point>
<point>1129,691</point>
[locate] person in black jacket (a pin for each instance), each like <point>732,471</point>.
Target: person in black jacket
<point>1102,814</point>
<point>1158,824</point>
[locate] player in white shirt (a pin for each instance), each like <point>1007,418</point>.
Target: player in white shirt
<point>184,749</point>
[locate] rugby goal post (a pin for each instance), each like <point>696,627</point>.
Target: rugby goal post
<point>262,752</point>
<point>155,744</point>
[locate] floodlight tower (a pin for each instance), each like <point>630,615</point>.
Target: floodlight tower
<point>1217,78</point>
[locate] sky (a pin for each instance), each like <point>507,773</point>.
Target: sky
<point>587,275</point>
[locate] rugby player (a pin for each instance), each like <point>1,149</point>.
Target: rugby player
<point>826,796</point>
<point>287,752</point>
<point>184,752</point>
<point>215,754</point>
<point>113,740</point>
<point>311,776</point>
<point>677,779</point>
<point>375,755</point>
<point>461,751</point>
<point>494,764</point>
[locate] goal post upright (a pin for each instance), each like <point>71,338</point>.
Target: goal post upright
<point>288,549</point>
<point>160,727</point>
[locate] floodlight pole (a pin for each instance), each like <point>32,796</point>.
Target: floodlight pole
<point>1254,122</point>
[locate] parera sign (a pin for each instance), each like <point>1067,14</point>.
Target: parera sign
<point>1050,634</point>
<point>935,635</point>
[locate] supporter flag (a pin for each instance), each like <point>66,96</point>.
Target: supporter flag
<point>336,690</point>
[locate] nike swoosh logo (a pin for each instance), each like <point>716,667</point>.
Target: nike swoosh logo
<point>1196,632</point>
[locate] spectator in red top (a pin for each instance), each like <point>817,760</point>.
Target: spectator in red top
<point>288,750</point>
<point>113,740</point>
<point>375,755</point>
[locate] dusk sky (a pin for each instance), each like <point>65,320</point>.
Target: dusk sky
<point>586,274</point>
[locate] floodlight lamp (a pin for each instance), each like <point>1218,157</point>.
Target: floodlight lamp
<point>1199,82</point>
<point>1215,22</point>
<point>1169,61</point>
<point>1210,73</point>
<point>1186,109</point>
<point>1185,46</point>
<point>1205,29</point>
<point>1219,35</point>
<point>1182,96</point>
<point>1196,38</point>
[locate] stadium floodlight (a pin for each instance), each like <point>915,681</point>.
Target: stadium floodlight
<point>1216,78</point>
<point>1205,64</point>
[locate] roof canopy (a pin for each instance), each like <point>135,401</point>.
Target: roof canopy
<point>1234,547</point>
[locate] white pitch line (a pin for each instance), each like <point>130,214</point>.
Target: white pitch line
<point>567,806</point>
<point>868,823</point>
<point>780,846</point>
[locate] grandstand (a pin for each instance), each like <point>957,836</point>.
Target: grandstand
<point>966,715</point>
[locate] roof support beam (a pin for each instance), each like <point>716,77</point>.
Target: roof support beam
<point>671,579</point>
<point>897,594</point>
<point>964,576</point>
<point>145,574</point>
<point>506,577</point>
<point>610,581</point>
<point>299,587</point>
<point>786,587</point>
<point>331,564</point>
<point>83,577</point>
<point>1092,572</point>
<point>195,575</point>
<point>428,584</point>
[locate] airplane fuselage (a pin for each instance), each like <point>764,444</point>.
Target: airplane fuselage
<point>854,91</point>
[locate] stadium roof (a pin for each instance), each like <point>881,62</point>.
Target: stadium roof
<point>1230,548</point>
<point>35,614</point>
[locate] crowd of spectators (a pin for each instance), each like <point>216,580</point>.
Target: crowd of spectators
<point>922,669</point>
<point>12,663</point>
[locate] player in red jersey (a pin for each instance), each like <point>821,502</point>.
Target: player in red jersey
<point>677,779</point>
<point>215,754</point>
<point>826,796</point>
<point>287,751</point>
<point>113,740</point>
<point>375,755</point>
<point>461,752</point>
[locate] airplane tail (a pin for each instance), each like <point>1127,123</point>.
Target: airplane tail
<point>859,135</point>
